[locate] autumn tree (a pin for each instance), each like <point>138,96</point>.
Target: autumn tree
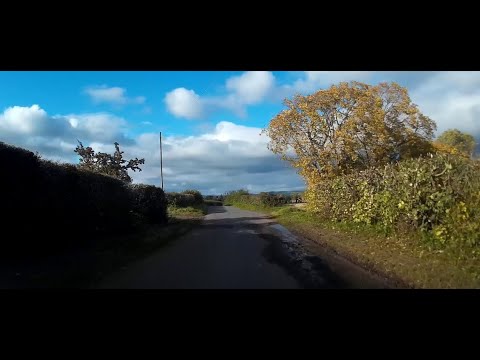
<point>349,126</point>
<point>113,165</point>
<point>462,142</point>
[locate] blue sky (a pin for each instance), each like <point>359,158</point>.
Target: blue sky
<point>210,120</point>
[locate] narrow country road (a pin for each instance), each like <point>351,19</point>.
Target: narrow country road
<point>232,249</point>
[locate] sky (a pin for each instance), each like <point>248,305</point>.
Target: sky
<point>210,120</point>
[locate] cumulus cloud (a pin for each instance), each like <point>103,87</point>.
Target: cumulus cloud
<point>251,88</point>
<point>30,120</point>
<point>315,80</point>
<point>112,95</point>
<point>103,127</point>
<point>452,99</point>
<point>229,157</point>
<point>56,136</point>
<point>185,103</point>
<point>225,157</point>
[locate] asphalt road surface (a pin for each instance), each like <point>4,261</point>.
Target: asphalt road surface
<point>232,249</point>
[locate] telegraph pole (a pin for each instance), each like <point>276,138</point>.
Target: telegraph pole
<point>161,159</point>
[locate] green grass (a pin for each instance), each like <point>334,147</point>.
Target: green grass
<point>195,211</point>
<point>406,258</point>
<point>251,207</point>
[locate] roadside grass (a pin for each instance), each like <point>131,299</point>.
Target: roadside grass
<point>194,211</point>
<point>405,258</point>
<point>254,207</point>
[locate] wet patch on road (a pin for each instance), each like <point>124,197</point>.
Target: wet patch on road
<point>310,271</point>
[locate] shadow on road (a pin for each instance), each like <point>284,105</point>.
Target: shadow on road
<point>216,209</point>
<point>237,221</point>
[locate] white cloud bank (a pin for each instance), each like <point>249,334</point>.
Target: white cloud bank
<point>452,99</point>
<point>225,158</point>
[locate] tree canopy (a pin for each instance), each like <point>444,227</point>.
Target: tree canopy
<point>113,165</point>
<point>463,142</point>
<point>349,126</point>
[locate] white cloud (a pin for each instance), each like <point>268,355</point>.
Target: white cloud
<point>56,136</point>
<point>316,80</point>
<point>228,157</point>
<point>99,126</point>
<point>452,100</point>
<point>112,95</point>
<point>252,86</point>
<point>247,89</point>
<point>24,119</point>
<point>185,103</point>
<point>222,158</point>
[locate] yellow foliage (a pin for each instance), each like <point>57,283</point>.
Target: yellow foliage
<point>347,127</point>
<point>447,149</point>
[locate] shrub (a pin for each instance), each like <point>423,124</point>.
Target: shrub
<point>213,202</point>
<point>268,199</point>
<point>297,197</point>
<point>180,200</point>
<point>438,195</point>
<point>241,197</point>
<point>262,199</point>
<point>196,194</point>
<point>149,201</point>
<point>55,206</point>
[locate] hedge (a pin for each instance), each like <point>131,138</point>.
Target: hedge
<point>51,206</point>
<point>150,203</point>
<point>180,200</point>
<point>268,199</point>
<point>438,195</point>
<point>214,202</point>
<point>198,197</point>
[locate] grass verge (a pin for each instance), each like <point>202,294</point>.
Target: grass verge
<point>406,259</point>
<point>195,211</point>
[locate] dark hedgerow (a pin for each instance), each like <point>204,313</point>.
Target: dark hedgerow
<point>196,194</point>
<point>52,206</point>
<point>150,202</point>
<point>180,200</point>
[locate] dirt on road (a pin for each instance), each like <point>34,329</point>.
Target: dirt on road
<point>239,249</point>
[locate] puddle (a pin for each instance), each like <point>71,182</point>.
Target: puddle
<point>287,236</point>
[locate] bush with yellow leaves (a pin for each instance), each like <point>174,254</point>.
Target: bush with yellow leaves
<point>438,195</point>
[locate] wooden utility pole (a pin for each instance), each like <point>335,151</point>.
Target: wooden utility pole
<point>161,159</point>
